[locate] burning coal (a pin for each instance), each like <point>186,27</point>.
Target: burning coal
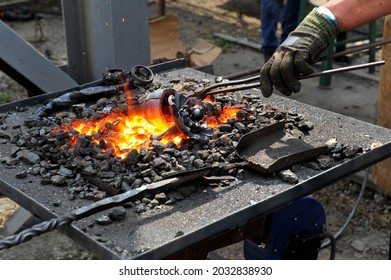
<point>156,118</point>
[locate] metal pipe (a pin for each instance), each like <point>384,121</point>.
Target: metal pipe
<point>242,86</point>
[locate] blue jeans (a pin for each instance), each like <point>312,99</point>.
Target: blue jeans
<point>270,16</point>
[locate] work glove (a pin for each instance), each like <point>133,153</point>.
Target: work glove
<point>296,54</point>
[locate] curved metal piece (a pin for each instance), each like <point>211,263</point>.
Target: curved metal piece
<point>155,107</point>
<point>188,118</point>
<point>102,205</point>
<point>271,149</point>
<point>114,76</point>
<point>141,76</point>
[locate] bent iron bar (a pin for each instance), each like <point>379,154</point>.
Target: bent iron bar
<point>107,203</point>
<point>102,205</point>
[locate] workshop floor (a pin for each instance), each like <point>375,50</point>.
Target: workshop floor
<point>354,95</point>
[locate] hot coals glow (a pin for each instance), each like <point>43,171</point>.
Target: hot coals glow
<point>121,132</point>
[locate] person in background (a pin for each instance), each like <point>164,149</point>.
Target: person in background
<point>270,17</point>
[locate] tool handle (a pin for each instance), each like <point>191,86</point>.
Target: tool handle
<point>318,74</point>
<point>343,69</point>
<point>213,89</point>
<point>35,230</point>
<point>355,49</point>
<point>96,207</point>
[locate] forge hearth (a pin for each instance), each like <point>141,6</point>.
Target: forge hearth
<point>140,135</point>
<point>50,175</point>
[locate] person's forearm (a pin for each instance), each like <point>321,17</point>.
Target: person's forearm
<point>353,13</point>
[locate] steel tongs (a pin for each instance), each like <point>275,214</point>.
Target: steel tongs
<point>243,84</point>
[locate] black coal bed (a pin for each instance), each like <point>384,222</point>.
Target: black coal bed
<point>223,212</point>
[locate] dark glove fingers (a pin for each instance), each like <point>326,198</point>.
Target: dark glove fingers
<point>301,64</point>
<point>288,72</point>
<point>265,81</point>
<point>276,74</point>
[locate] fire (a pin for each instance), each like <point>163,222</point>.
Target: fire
<point>121,132</point>
<point>228,113</point>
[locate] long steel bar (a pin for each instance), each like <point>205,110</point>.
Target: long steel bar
<point>356,49</point>
<point>226,87</point>
<point>102,205</point>
<point>208,90</point>
<point>81,213</point>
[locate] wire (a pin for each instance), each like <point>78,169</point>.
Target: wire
<point>389,249</point>
<point>332,243</point>
<point>351,214</point>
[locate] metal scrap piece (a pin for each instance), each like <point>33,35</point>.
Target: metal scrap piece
<point>271,149</point>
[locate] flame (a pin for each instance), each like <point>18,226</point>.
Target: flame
<point>122,132</point>
<point>227,114</point>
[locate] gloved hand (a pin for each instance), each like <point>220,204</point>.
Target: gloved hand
<point>296,54</point>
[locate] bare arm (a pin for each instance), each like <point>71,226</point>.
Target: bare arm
<point>353,13</point>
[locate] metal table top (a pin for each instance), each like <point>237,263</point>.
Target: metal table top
<point>163,231</point>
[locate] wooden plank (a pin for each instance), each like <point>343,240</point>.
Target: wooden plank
<point>382,170</point>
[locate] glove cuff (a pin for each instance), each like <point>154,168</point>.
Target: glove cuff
<point>328,14</point>
<point>321,19</point>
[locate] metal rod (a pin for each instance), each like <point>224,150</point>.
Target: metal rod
<point>207,90</point>
<point>80,213</point>
<point>104,204</point>
<point>355,49</point>
<point>343,69</point>
<point>318,74</point>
